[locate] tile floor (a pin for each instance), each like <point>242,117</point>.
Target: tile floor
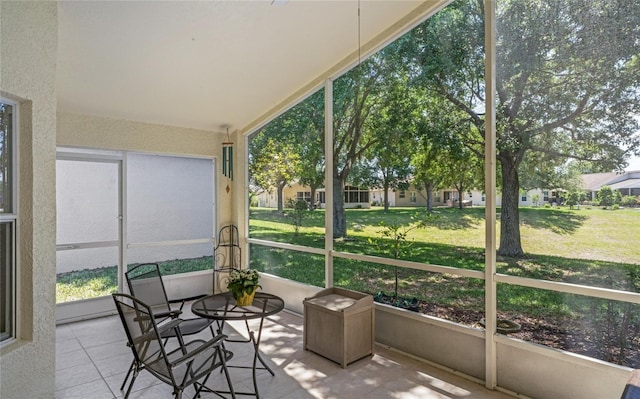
<point>92,359</point>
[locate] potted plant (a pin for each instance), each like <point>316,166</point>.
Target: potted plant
<point>243,285</point>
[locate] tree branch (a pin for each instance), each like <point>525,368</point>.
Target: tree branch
<point>580,109</point>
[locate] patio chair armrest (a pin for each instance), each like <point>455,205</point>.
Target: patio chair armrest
<point>182,301</point>
<point>174,313</point>
<point>187,299</point>
<point>216,341</point>
<point>173,324</point>
<point>151,334</point>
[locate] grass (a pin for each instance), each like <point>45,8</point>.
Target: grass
<point>593,234</point>
<point>589,246</point>
<point>93,283</point>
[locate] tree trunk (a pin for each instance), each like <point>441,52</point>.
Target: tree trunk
<point>429,188</point>
<point>339,218</point>
<point>312,200</point>
<point>280,197</point>
<point>386,196</point>
<point>510,244</point>
<point>460,194</point>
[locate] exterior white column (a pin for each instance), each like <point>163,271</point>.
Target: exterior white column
<point>328,182</point>
<point>490,191</point>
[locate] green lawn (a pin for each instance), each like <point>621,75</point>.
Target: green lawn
<point>590,234</point>
<point>587,246</point>
<point>92,283</point>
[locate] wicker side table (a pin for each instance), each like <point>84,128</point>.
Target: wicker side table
<point>339,324</point>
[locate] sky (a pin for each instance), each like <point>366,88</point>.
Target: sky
<point>634,164</point>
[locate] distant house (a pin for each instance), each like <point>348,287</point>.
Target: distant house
<point>291,191</point>
<point>628,183</point>
<point>354,197</point>
<point>411,196</point>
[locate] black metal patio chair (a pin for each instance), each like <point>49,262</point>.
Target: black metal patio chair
<point>181,364</point>
<point>145,283</point>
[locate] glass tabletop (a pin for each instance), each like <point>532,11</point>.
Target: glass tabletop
<point>223,307</point>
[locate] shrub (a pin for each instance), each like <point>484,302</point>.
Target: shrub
<point>616,206</point>
<point>572,199</point>
<point>299,210</point>
<point>629,200</point>
<point>606,196</point>
<point>617,197</point>
<point>535,198</point>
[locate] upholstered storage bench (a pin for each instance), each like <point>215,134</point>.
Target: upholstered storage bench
<point>339,324</point>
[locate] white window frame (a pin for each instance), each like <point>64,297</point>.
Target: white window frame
<point>11,219</point>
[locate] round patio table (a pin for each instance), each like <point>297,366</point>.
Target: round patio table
<point>222,308</point>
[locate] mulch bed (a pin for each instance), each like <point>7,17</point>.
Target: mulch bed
<point>558,333</point>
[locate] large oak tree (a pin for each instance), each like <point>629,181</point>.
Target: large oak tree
<point>568,83</point>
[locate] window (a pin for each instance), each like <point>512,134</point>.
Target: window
<point>8,219</point>
<point>545,195</point>
<point>170,224</point>
<point>523,198</point>
<point>303,195</point>
<point>412,197</point>
<point>402,194</point>
<point>354,195</point>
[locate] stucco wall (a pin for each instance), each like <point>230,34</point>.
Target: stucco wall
<point>115,134</point>
<point>28,47</point>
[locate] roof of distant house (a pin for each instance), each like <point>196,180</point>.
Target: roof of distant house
<point>593,181</point>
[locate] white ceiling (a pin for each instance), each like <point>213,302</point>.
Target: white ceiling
<point>202,64</point>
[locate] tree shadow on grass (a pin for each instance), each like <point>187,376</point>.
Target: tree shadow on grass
<point>557,221</point>
<point>457,219</point>
<point>441,218</point>
<point>595,273</point>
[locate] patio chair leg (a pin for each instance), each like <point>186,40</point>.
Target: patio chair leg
<point>226,374</point>
<point>133,378</point>
<point>223,369</point>
<point>128,374</point>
